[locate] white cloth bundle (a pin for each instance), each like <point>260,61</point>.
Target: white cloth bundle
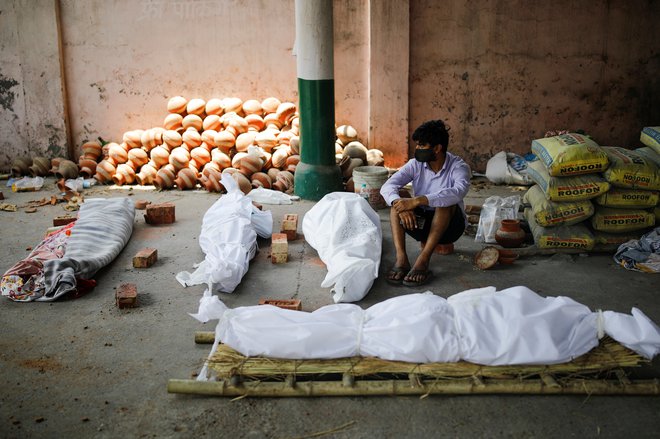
<point>482,326</point>
<point>345,231</point>
<point>228,240</point>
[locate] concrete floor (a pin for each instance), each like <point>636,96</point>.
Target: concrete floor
<point>83,368</point>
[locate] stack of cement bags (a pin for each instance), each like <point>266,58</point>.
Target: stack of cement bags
<point>571,174</point>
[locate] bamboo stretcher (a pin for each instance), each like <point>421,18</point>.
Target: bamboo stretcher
<point>599,372</point>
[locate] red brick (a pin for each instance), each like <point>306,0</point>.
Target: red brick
<point>126,296</point>
<point>293,304</point>
<point>63,220</point>
<point>145,258</point>
<point>160,214</point>
<point>279,243</point>
<point>279,258</point>
<point>290,226</point>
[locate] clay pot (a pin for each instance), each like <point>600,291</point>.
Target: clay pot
<point>284,182</point>
<point>192,121</point>
<point>192,138</point>
<point>54,164</point>
<point>347,169</point>
<point>507,257</point>
<point>243,182</point>
<point>284,137</point>
<point>146,175</point>
<point>252,106</point>
<point>211,122</point>
<point>41,166</point>
<point>214,106</point>
<point>196,106</point>
<point>104,171</point>
<point>294,144</point>
<point>159,156</point>
<point>200,156</point>
<point>186,179</point>
<point>245,140</point>
<point>270,104</point>
<point>295,125</point>
<point>510,234</point>
<point>346,134</point>
<point>375,157</point>
<point>208,167</point>
<point>67,170</point>
<point>285,112</point>
<point>266,139</point>
<point>171,139</point>
<point>235,124</point>
<point>133,139</point>
<point>138,157</point>
<point>292,162</point>
<point>220,158</point>
<point>279,157</point>
<point>261,179</point>
<point>272,121</point>
<point>179,158</point>
<point>177,104</point>
<point>225,141</point>
<point>125,174</point>
<point>165,177</point>
<point>339,147</point>
<point>87,167</point>
<point>211,181</point>
<point>233,105</point>
<point>118,153</point>
<point>21,167</point>
<point>250,164</point>
<point>92,150</point>
<point>151,138</point>
<point>173,121</point>
<point>272,173</point>
<point>356,150</point>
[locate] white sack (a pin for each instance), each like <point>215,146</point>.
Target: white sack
<point>513,326</point>
<point>345,231</point>
<point>499,171</point>
<point>268,196</point>
<point>228,240</point>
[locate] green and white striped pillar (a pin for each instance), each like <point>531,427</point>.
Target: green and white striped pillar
<point>317,173</point>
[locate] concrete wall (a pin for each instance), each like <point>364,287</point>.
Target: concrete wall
<point>501,73</point>
<point>504,72</point>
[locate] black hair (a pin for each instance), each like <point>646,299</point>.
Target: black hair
<point>432,132</point>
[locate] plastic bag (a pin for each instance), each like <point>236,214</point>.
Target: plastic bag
<point>493,211</point>
<point>507,168</point>
<point>345,230</point>
<point>26,184</point>
<point>269,196</point>
<point>228,239</point>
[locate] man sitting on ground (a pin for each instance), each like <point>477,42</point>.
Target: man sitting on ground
<point>435,215</point>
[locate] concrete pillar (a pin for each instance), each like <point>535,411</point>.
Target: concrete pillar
<point>316,174</point>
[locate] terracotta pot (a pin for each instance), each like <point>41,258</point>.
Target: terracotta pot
<point>252,106</point>
<point>146,175</point>
<point>165,177</point>
<point>21,167</point>
<point>186,179</point>
<point>352,164</point>
<point>196,106</point>
<point>179,158</point>
<point>138,157</point>
<point>339,147</point>
<point>236,159</point>
<point>375,157</point>
<point>41,166</point>
<point>272,122</point>
<point>214,106</point>
<point>270,104</point>
<point>211,181</point>
<point>159,156</point>
<point>220,158</point>
<point>192,121</point>
<point>54,164</point>
<point>285,112</point>
<point>125,174</point>
<point>507,257</point>
<point>87,167</point>
<point>294,144</point>
<point>209,167</point>
<point>200,156</point>
<point>192,138</point>
<point>118,153</point>
<point>173,121</point>
<point>244,140</point>
<point>243,182</point>
<point>510,234</point>
<point>177,104</point>
<point>250,164</point>
<point>225,141</point>
<point>255,122</point>
<point>151,138</point>
<point>295,125</point>
<point>233,105</point>
<point>356,150</point>
<point>279,157</point>
<point>208,137</point>
<point>261,179</point>
<point>133,139</point>
<point>67,170</point>
<point>284,181</point>
<point>284,137</point>
<point>211,122</point>
<point>235,124</point>
<point>266,139</point>
<point>92,150</point>
<point>272,173</point>
<point>346,134</point>
<point>104,171</point>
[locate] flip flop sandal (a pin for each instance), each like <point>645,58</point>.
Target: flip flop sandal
<point>428,275</point>
<point>396,271</point>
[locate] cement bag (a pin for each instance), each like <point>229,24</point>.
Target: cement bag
<point>228,239</point>
<point>621,220</point>
<point>576,236</point>
<point>570,154</point>
<point>651,137</point>
<point>345,230</point>
<point>631,170</point>
<point>499,171</point>
<point>577,188</point>
<point>649,154</point>
<point>628,198</point>
<point>551,213</point>
<point>493,211</point>
<point>611,241</point>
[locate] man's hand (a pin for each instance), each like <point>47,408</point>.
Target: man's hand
<point>404,205</point>
<point>408,220</point>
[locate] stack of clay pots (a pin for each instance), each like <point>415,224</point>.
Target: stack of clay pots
<point>42,166</point>
<point>350,153</point>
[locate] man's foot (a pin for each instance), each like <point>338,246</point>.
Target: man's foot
<point>416,278</point>
<point>396,274</point>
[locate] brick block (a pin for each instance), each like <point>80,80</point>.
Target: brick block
<point>279,258</point>
<point>279,244</point>
<point>126,296</point>
<point>63,220</point>
<point>293,304</point>
<point>160,214</point>
<point>145,258</point>
<point>141,204</point>
<point>290,226</point>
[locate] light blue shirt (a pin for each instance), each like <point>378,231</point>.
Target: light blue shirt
<point>445,188</point>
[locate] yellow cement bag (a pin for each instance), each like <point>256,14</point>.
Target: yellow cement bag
<point>564,189</point>
<point>650,154</point>
<point>628,198</point>
<point>611,220</point>
<point>552,213</point>
<point>651,137</point>
<point>570,154</point>
<point>612,241</point>
<point>630,170</point>
<point>576,236</point>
